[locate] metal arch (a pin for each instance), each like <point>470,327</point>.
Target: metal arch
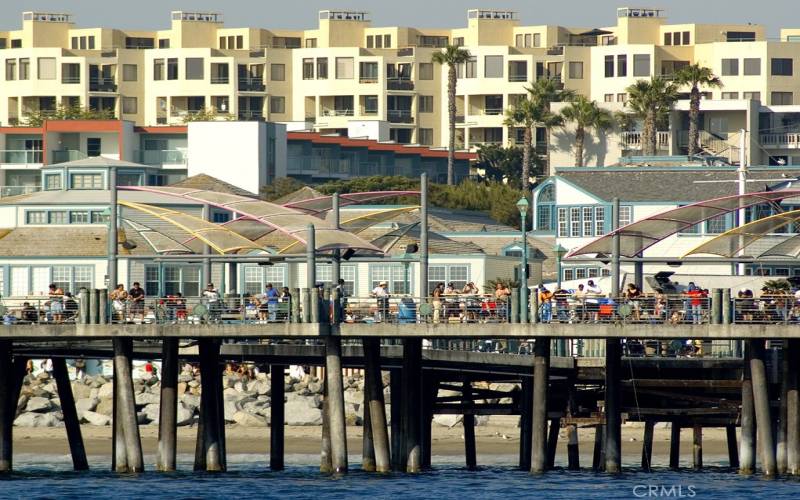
<point>782,219</point>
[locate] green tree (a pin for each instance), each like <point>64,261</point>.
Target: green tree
<point>694,76</point>
<point>585,114</point>
<point>280,187</point>
<point>650,101</point>
<point>500,164</point>
<point>543,92</point>
<point>206,115</point>
<point>37,118</point>
<point>451,56</point>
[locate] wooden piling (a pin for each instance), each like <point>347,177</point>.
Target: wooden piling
<point>697,447</point>
<point>541,368</point>
<point>209,371</point>
<point>468,421</point>
<point>398,438</point>
<point>598,457</point>
<point>325,463</point>
<point>647,446</point>
<point>573,451</point>
<point>70,413</point>
<point>373,391</point>
<point>367,443</point>
<point>747,443</point>
<point>126,405</point>
<point>761,403</point>
<point>781,458</point>
<point>168,409</point>
<point>526,424</point>
<point>613,403</point>
<point>412,391</point>
<point>336,420</point>
<point>675,446</point>
<point>733,450</point>
<point>552,442</point>
<point>793,409</point>
<point>7,407</point>
<point>277,417</point>
<point>430,390</point>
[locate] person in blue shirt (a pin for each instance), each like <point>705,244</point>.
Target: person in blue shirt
<point>272,296</point>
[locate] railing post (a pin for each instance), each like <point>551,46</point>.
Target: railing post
<point>83,305</point>
<point>294,305</point>
<point>534,301</point>
<point>716,306</point>
<point>306,301</point>
<point>726,306</point>
<point>102,307</point>
<point>513,304</point>
<point>93,306</point>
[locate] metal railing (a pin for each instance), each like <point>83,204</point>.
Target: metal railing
<point>399,83</point>
<point>18,190</point>
<point>250,115</point>
<point>65,155</point>
<point>100,84</point>
<point>455,308</point>
<point>70,79</point>
<point>251,85</point>
<point>633,140</point>
<point>21,156</point>
<point>39,310</point>
<point>337,112</point>
<point>161,157</point>
<point>220,79</point>
<point>197,310</point>
<point>767,309</point>
<point>400,116</point>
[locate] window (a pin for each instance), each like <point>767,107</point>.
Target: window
<point>781,67</point>
<point>756,96</point>
<point>457,274</point>
<point>163,43</point>
<point>600,221</point>
<point>277,104</point>
<point>562,222</point>
<point>239,41</point>
<point>257,277</point>
<point>322,68</point>
<point>730,67</point>
<point>370,42</point>
<point>641,65</point>
<point>623,97</point>
<point>139,43</point>
<point>93,146</point>
<point>346,272</point>
<point>575,222</point>
<point>311,43</point>
<point>608,97</point>
<point>71,278</point>
<point>717,225</point>
<point>52,182</point>
<point>471,67</point>
<point>57,217</point>
<point>24,68</point>
<point>86,181</point>
<point>426,104</point>
<point>752,66</point>
<point>576,70</point>
<point>130,72</point>
<point>11,69</point>
<point>667,38</point>
<point>308,69</point>
<point>426,136</point>
<point>588,222</point>
<point>387,41</point>
<point>79,217</point>
<point>394,275</point>
<point>378,42</point>
<point>493,67</point>
<point>781,98</point>
<point>130,105</point>
<point>16,43</point>
<point>519,41</point>
<point>158,69</point>
<point>370,105</point>
<point>741,36</point>
<point>687,38</point>
<point>622,65</point>
<point>426,71</point>
<point>99,217</point>
<point>36,217</point>
<point>277,72</point>
<point>172,68</point>
<point>730,95</point>
<point>194,68</point>
<point>368,71</point>
<point>609,66</point>
<point>344,68</point>
<point>46,68</point>
<point>171,279</point>
<point>625,215</point>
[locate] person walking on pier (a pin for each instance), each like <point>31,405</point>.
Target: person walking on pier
<point>271,297</point>
<point>437,301</point>
<point>56,303</point>
<point>136,297</point>
<point>381,292</point>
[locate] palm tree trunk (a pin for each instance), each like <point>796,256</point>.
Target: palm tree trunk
<point>694,121</point>
<point>451,111</point>
<point>580,133</point>
<point>526,159</point>
<point>649,134</point>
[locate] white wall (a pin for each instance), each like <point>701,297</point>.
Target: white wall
<point>376,130</point>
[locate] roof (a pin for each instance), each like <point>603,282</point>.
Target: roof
<point>91,197</point>
<point>304,193</point>
<point>373,145</point>
<point>99,161</point>
<point>209,183</point>
<point>63,242</point>
<point>671,184</point>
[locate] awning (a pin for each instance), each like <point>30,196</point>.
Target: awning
<point>732,242</point>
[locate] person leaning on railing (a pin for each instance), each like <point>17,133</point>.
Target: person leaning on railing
<point>118,298</point>
<point>381,293</point>
<point>633,297</point>
<point>437,301</point>
<point>545,304</point>
<point>561,299</point>
<point>501,295</point>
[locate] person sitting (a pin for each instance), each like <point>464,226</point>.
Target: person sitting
<point>29,314</point>
<point>70,306</point>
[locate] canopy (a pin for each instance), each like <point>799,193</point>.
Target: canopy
<point>159,242</point>
<point>730,243</point>
<point>787,248</point>
<point>642,234</point>
<point>323,204</point>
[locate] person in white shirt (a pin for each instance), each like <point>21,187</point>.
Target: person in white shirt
<point>381,292</point>
<point>211,295</point>
<point>593,294</point>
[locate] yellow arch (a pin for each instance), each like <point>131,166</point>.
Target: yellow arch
<point>729,243</point>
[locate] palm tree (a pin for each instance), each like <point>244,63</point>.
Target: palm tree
<point>650,100</point>
<point>585,114</point>
<point>451,56</point>
<point>545,91</point>
<point>528,114</point>
<point>693,76</point>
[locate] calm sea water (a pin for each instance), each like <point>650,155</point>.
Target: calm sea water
<point>49,477</point>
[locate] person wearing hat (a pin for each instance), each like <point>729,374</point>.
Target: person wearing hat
<point>381,292</point>
<point>211,295</point>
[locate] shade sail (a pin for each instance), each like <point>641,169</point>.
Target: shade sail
<point>642,234</point>
<point>200,231</point>
<point>276,217</point>
<point>159,242</point>
<point>730,243</point>
<point>787,248</point>
<point>323,204</point>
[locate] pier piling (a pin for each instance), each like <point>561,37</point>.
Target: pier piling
<point>552,442</point>
<point>168,409</point>
<point>373,390</point>
<point>541,368</point>
<point>761,404</point>
<point>126,405</point>
<point>733,450</point>
<point>781,458</point>
<point>412,391</point>
<point>573,451</point>
<point>335,398</point>
<point>598,454</point>
<point>647,445</point>
<point>367,443</point>
<point>209,407</point>
<point>697,447</point>
<point>526,424</point>
<point>792,409</point>
<point>7,407</point>
<point>468,421</point>
<point>398,439</point>
<point>70,413</point>
<point>325,464</point>
<point>277,417</point>
<point>747,443</point>
<point>675,446</point>
<point>613,432</point>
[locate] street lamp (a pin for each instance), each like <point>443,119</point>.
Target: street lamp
<point>559,252</point>
<point>522,206</point>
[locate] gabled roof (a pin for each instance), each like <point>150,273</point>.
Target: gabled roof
<point>209,183</point>
<point>100,161</point>
<point>374,145</point>
<point>302,194</point>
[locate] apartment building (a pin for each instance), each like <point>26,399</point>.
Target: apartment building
<point>346,75</point>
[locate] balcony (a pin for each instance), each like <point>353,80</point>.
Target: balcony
<point>399,83</point>
<point>21,156</point>
<point>100,84</point>
<point>337,112</point>
<point>250,115</point>
<point>556,51</point>
<point>633,140</point>
<point>405,52</point>
<point>70,79</point>
<point>65,155</point>
<point>162,157</point>
<point>518,77</point>
<point>251,84</point>
<point>491,111</point>
<point>783,141</point>
<point>368,79</point>
<point>400,116</point>
<point>6,191</point>
<point>220,80</point>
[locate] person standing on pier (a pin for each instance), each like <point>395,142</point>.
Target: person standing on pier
<point>212,298</point>
<point>136,297</point>
<point>271,296</point>
<point>118,297</point>
<point>56,303</point>
<point>381,292</point>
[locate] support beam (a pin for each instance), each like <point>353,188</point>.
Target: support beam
<point>747,443</point>
<point>613,403</point>
<point>373,391</point>
<point>647,446</point>
<point>412,391</point>
<point>552,442</point>
<point>168,410</point>
<point>697,447</point>
<point>7,407</point>
<point>71,422</point>
<point>541,368</point>
<point>526,424</point>
<point>325,463</point>
<point>119,457</point>
<point>598,456</point>
<point>209,372</point>
<point>468,421</point>
<point>733,450</point>
<point>761,404</point>
<point>199,446</point>
<point>277,417</point>
<point>675,446</point>
<point>781,458</point>
<point>336,420</point>
<point>126,404</point>
<point>367,443</point>
<point>793,409</point>
<point>430,390</point>
<point>573,451</point>
<point>398,437</point>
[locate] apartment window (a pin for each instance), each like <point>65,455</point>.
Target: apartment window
<point>781,98</point>
<point>537,40</point>
<point>221,103</point>
<point>223,43</point>
<point>730,67</point>
<point>86,181</point>
<point>563,229</point>
<point>47,68</point>
<point>11,69</point>
<point>344,68</point>
<point>756,96</point>
<point>240,41</point>
<point>24,68</point>
<point>609,66</point>
<point>322,68</point>
<point>608,97</point>
<point>752,66</point>
<point>687,39</point>
<point>79,217</point>
<point>458,41</point>
<point>163,43</point>
<point>730,95</point>
<point>93,146</point>
<point>308,69</point>
<point>130,105</point>
<point>277,104</point>
<point>426,71</point>
<point>139,43</point>
<point>370,105</point>
<point>575,222</point>
<point>194,68</point>
<point>600,220</point>
<point>277,72</point>
<point>36,217</point>
<point>52,182</point>
<point>16,43</point>
<point>172,68</point>
<point>781,66</point>
<point>311,43</point>
<point>394,275</point>
<point>622,97</point>
<point>426,136</point>
<point>370,42</point>
<point>387,41</point>
<point>667,38</point>
<point>158,69</point>
<point>493,67</point>
<point>741,36</point>
<point>130,72</point>
<point>519,41</point>
<point>641,65</point>
<point>378,42</point>
<point>426,104</point>
<point>622,65</point>
<point>471,68</point>
<point>74,43</point>
<point>368,71</point>
<point>576,70</point>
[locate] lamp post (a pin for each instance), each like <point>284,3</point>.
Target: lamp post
<point>559,252</point>
<point>522,205</point>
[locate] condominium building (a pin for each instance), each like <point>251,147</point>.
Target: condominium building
<point>347,76</point>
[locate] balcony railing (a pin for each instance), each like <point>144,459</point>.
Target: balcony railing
<point>162,157</point>
<point>788,141</point>
<point>556,51</point>
<point>337,112</point>
<point>492,111</point>
<point>405,52</point>
<point>399,83</point>
<point>633,140</point>
<point>178,112</point>
<point>368,79</point>
<point>18,190</point>
<point>247,115</point>
<point>220,79</point>
<point>70,79</point>
<point>251,85</point>
<point>102,85</point>
<point>65,155</point>
<point>21,156</point>
<point>518,78</point>
<point>400,116</point>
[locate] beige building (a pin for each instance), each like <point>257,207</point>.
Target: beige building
<point>348,76</point>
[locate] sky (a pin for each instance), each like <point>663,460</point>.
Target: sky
<point>154,14</point>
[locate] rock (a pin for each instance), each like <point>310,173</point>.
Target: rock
<point>42,377</point>
<point>38,404</point>
<point>84,405</point>
<point>141,418</point>
<point>22,403</point>
<point>38,420</point>
<point>181,387</point>
<point>288,387</point>
<point>97,382</point>
<point>191,401</point>
<point>106,390</point>
<point>316,387</point>
<point>248,420</point>
<point>447,420</point>
<point>503,387</point>
<point>185,377</point>
<point>146,398</point>
<point>152,412</point>
<point>94,393</point>
<point>241,386</point>
<point>230,409</point>
<point>262,388</point>
<point>299,412</point>
<point>193,383</point>
<point>81,391</point>
<point>185,415</point>
<point>354,397</point>
<point>105,407</point>
<point>95,418</point>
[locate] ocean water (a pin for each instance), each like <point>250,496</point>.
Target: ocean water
<point>49,477</point>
